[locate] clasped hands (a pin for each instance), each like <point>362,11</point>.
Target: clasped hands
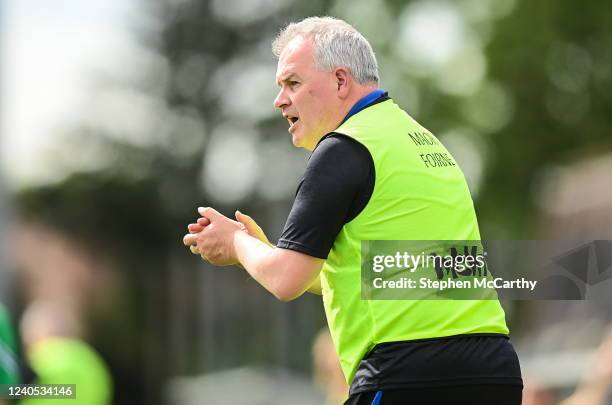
<point>212,235</point>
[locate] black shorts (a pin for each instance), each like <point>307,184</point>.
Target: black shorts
<point>486,394</point>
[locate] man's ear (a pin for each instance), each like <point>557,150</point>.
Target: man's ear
<point>343,81</point>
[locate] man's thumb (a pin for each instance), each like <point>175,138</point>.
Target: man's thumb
<point>249,223</point>
<point>244,219</point>
<point>251,227</point>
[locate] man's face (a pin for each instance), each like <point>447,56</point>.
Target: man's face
<point>308,97</point>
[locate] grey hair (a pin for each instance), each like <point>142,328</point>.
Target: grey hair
<point>336,44</point>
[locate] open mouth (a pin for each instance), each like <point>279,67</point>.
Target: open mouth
<point>292,122</point>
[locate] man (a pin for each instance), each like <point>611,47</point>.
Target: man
<point>366,180</point>
<point>58,356</point>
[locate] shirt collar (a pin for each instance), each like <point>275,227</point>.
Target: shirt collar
<point>365,102</point>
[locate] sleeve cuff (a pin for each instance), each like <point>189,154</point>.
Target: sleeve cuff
<point>298,247</point>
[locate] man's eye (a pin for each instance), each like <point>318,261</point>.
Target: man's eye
<point>293,83</point>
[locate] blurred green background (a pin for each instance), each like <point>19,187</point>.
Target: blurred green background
<point>174,111</point>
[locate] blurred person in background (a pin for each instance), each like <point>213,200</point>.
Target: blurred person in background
<point>368,179</point>
<point>537,394</point>
<point>57,354</point>
<point>596,387</point>
<point>9,367</point>
<point>326,368</point>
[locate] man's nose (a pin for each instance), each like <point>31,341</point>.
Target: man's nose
<point>281,100</point>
